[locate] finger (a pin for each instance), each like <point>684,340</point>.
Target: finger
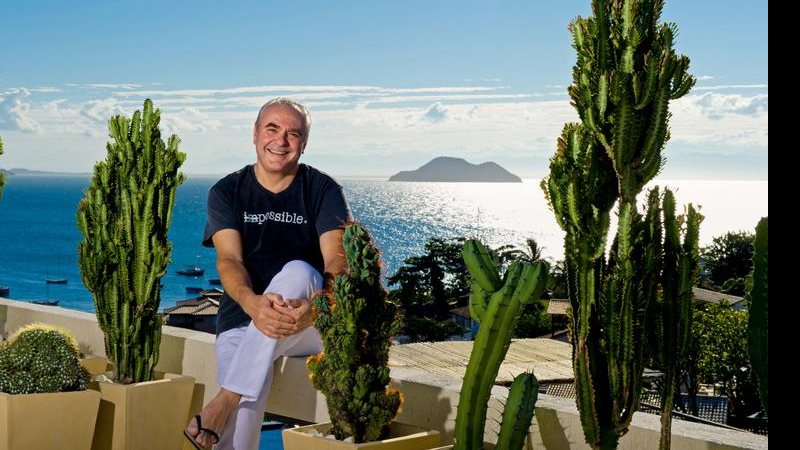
<point>296,302</point>
<point>274,298</point>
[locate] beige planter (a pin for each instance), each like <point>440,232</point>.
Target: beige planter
<point>63,420</point>
<point>149,415</point>
<point>401,437</point>
<point>96,365</point>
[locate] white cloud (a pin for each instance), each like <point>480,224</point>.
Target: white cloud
<point>113,86</point>
<point>705,77</point>
<point>14,113</point>
<point>727,120</point>
<point>100,111</point>
<point>435,113</point>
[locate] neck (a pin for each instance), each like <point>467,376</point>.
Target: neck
<point>275,181</point>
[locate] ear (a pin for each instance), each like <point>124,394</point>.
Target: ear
<point>255,129</point>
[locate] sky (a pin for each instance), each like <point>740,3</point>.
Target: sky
<point>390,84</point>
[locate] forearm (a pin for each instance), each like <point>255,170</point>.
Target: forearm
<point>236,282</point>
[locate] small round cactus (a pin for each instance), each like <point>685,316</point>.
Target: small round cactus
<point>41,358</point>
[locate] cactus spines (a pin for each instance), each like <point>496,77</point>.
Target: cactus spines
<point>41,358</point>
<point>626,73</point>
<point>758,325</point>
<point>518,412</point>
<point>504,301</point>
<point>356,321</point>
<point>124,218</point>
<point>671,329</point>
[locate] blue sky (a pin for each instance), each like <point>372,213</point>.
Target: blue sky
<point>390,84</point>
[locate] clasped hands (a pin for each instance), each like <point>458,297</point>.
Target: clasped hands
<point>277,317</point>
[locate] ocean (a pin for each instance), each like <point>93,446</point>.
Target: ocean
<point>39,237</point>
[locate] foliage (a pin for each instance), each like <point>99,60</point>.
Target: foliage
<point>497,304</point>
<point>625,75</point>
<point>758,324</point>
<point>534,321</point>
<point>124,219</point>
<point>356,321</point>
<point>41,358</point>
<point>424,329</point>
<point>720,332</point>
<point>437,277</point>
<point>729,256</point>
<point>669,334</point>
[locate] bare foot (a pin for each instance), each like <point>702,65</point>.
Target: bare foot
<point>213,417</point>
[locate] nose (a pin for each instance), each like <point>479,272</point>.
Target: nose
<point>282,139</point>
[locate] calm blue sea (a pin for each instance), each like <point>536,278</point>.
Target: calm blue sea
<point>39,238</point>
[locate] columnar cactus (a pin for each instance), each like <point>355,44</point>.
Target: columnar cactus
<point>2,174</point>
<point>39,359</point>
<point>758,337</point>
<point>124,218</point>
<point>496,304</point>
<point>625,75</point>
<point>356,321</point>
<point>518,412</point>
<point>671,328</point>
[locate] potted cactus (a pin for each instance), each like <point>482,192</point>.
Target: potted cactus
<point>43,398</point>
<point>356,320</point>
<point>124,218</point>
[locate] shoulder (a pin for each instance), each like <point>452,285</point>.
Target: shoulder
<point>318,177</point>
<point>231,181</point>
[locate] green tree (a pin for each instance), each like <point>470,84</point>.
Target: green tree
<point>720,335</point>
<point>729,257</point>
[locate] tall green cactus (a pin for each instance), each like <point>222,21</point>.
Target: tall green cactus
<point>356,321</point>
<point>758,324</point>
<point>496,304</point>
<point>2,174</point>
<point>124,218</point>
<point>671,328</point>
<point>41,358</point>
<point>625,75</point>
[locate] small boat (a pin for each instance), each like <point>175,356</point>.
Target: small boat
<point>55,280</point>
<point>194,289</point>
<point>191,271</point>
<point>46,302</point>
<point>4,291</point>
<point>215,282</point>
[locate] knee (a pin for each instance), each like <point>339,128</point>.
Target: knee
<point>302,272</point>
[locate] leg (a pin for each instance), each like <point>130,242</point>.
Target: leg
<point>245,378</point>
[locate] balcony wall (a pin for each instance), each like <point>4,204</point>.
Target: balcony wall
<point>430,403</point>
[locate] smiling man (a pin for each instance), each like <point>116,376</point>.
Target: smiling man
<point>276,226</point>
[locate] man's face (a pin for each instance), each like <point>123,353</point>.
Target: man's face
<point>279,136</point>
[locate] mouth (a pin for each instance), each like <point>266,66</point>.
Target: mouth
<point>277,151</point>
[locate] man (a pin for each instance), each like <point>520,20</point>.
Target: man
<point>276,226</point>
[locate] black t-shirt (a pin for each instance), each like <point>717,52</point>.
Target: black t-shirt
<point>275,228</point>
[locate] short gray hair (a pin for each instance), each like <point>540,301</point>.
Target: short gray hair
<point>292,104</point>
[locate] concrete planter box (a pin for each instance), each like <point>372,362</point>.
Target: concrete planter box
<point>401,437</point>
<point>148,415</point>
<point>63,420</point>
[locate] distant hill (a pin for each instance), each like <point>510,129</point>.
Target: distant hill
<point>41,173</point>
<point>448,169</point>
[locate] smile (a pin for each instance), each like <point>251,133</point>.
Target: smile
<point>277,151</point>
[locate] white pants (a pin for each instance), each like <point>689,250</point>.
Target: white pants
<point>245,357</point>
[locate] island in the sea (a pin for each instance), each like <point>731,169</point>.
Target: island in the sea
<point>449,169</point>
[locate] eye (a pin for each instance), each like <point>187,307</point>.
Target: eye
<point>295,134</point>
